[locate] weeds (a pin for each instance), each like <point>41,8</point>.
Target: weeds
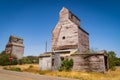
<point>31,66</point>
<point>13,68</point>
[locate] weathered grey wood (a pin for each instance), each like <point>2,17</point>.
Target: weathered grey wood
<point>15,46</point>
<point>89,62</point>
<point>71,41</point>
<point>68,34</point>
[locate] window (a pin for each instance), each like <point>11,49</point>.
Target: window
<point>63,37</point>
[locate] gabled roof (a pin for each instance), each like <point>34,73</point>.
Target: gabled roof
<point>65,9</point>
<point>84,30</point>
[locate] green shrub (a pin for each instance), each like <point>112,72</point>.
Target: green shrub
<point>16,69</point>
<point>31,66</point>
<point>42,72</point>
<point>13,69</point>
<point>20,62</point>
<point>4,59</point>
<point>5,68</point>
<point>30,60</point>
<point>26,60</point>
<point>112,60</point>
<point>66,65</point>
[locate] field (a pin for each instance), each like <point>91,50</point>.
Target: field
<point>110,75</point>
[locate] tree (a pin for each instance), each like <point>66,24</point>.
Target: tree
<point>30,60</point>
<point>33,59</point>
<point>112,60</point>
<point>4,59</point>
<point>26,60</point>
<point>117,62</point>
<point>112,54</point>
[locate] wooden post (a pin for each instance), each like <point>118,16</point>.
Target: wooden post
<point>46,46</point>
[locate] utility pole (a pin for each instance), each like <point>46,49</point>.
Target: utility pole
<point>46,46</point>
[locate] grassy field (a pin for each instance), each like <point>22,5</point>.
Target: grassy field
<point>110,75</point>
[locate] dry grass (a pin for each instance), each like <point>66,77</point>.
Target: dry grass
<point>26,66</point>
<point>110,75</point>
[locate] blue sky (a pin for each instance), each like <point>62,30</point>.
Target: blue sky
<point>34,20</point>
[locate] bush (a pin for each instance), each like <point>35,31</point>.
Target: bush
<point>111,64</point>
<point>26,60</point>
<point>20,62</point>
<point>30,60</point>
<point>31,66</point>
<point>66,65</point>
<point>112,60</point>
<point>43,72</point>
<point>13,69</point>
<point>4,59</point>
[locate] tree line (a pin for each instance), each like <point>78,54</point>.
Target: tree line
<point>4,59</point>
<point>113,60</point>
